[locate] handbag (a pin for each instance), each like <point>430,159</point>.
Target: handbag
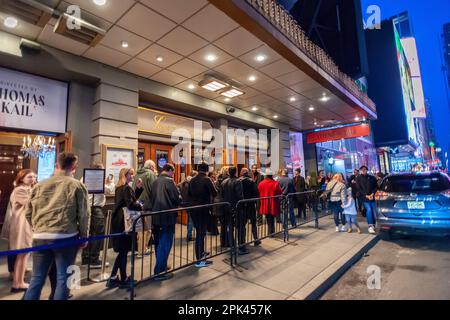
<point>326,195</point>
<point>129,216</point>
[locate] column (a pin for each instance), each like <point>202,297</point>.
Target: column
<point>114,118</point>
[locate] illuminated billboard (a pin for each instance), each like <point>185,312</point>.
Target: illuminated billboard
<point>409,45</point>
<point>407,88</point>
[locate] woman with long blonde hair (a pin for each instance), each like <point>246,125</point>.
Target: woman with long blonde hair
<point>124,198</point>
<point>337,192</point>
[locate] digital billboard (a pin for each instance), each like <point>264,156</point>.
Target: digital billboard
<point>409,45</point>
<point>407,88</point>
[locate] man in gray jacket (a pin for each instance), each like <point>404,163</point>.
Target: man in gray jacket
<point>59,214</point>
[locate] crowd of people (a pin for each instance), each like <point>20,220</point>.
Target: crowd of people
<point>56,213</point>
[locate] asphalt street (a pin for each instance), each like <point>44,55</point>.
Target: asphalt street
<point>411,268</point>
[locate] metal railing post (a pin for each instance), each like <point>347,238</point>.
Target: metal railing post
<point>133,256</point>
<point>103,275</point>
<point>316,210</point>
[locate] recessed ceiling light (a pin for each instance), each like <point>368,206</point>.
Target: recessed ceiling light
<point>159,59</point>
<point>325,99</point>
<point>356,118</point>
<point>252,78</point>
<point>211,57</point>
<point>10,22</point>
<point>227,99</point>
<point>260,58</point>
<point>315,123</point>
<point>124,44</point>
<point>275,116</point>
<point>100,2</point>
<point>255,108</point>
<point>292,99</point>
<point>311,108</point>
<point>191,87</point>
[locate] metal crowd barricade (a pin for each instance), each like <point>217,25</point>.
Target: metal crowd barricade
<point>242,218</point>
<point>181,248</point>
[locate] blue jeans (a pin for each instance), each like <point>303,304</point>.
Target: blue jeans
<point>338,212</point>
<point>43,260</point>
<point>370,212</point>
<point>164,245</point>
<point>292,213</point>
<point>352,220</point>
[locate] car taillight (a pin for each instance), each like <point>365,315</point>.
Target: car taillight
<point>446,193</point>
<point>381,195</point>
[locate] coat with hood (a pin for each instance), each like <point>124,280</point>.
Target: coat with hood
<point>147,177</point>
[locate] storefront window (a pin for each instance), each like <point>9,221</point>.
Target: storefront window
<point>345,155</point>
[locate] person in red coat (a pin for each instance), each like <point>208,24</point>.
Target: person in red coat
<point>269,207</point>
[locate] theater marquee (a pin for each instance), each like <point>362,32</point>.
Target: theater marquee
<point>30,102</point>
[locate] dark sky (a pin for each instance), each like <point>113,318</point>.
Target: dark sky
<point>427,19</point>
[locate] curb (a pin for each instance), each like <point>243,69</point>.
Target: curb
<point>328,277</point>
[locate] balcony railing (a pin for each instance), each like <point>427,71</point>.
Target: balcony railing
<point>285,23</point>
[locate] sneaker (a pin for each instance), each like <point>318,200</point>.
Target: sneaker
<point>257,243</point>
<point>372,230</point>
<point>201,264</point>
<point>337,229</point>
<point>112,283</point>
<point>163,277</point>
<point>344,229</point>
<point>350,231</point>
<point>206,255</point>
<point>359,231</point>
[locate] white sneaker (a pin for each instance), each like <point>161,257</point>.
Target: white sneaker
<point>372,230</point>
<point>344,229</point>
<point>337,229</point>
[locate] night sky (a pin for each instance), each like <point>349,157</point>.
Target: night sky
<point>427,19</point>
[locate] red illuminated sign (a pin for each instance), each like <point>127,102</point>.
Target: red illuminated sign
<point>361,130</point>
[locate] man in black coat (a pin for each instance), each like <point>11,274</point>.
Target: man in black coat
<point>250,190</point>
<point>300,186</point>
<point>287,185</point>
<point>257,177</point>
<point>367,187</point>
<point>165,196</point>
<point>231,192</point>
<point>201,192</point>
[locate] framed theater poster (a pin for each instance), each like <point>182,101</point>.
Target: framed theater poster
<point>117,157</point>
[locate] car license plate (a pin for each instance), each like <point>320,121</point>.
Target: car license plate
<point>416,205</point>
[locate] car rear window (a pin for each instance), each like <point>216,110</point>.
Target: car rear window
<point>416,183</point>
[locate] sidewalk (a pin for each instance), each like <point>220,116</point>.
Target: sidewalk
<point>300,269</point>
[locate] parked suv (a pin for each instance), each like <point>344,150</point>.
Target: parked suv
<point>414,203</point>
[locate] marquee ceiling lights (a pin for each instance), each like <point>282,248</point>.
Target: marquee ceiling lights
<point>213,84</point>
<point>232,92</point>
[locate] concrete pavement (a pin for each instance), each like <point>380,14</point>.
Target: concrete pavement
<point>300,269</point>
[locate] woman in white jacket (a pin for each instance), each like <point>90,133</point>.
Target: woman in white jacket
<point>350,212</point>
